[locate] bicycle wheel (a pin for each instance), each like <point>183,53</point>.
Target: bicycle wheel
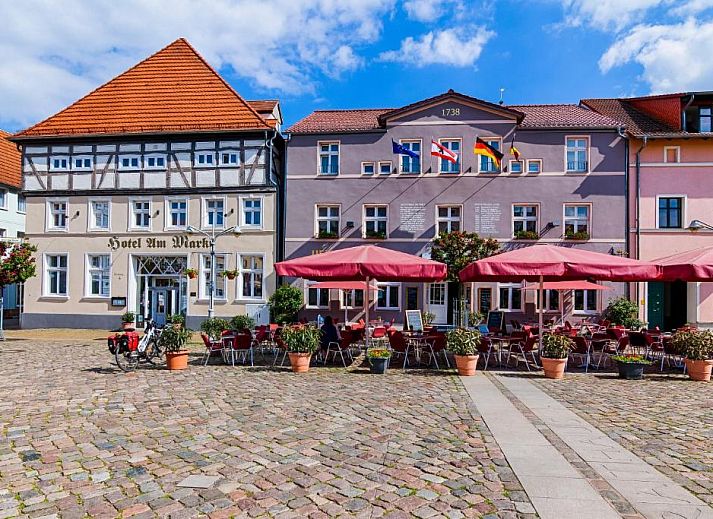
<point>154,352</point>
<point>125,359</point>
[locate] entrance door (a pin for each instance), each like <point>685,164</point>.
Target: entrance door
<point>438,302</point>
<point>656,305</point>
<point>160,303</point>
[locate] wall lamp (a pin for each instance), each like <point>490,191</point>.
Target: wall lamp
<point>698,225</point>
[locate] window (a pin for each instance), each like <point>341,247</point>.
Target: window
<point>485,299</point>
<point>389,296</point>
<point>385,167</point>
<point>60,163</point>
<point>375,221</point>
<point>317,297</point>
<point>141,218</point>
<point>446,165</point>
<point>206,273</point>
<point>486,164</point>
<point>58,214</point>
<point>704,117</point>
<point>367,168</point>
<point>670,213</point>
<point>99,214</point>
<point>203,159</point>
<point>411,164</point>
<point>534,166</point>
<point>577,152</point>
<point>328,221</point>
<point>98,275</point>
<point>576,219</point>
<point>21,204</point>
<point>177,212</point>
<point>552,300</point>
<point>585,301</point>
<point>510,297</point>
<point>447,218</point>
<point>155,162</point>
<point>252,212</point>
<point>3,198</point>
<point>229,158</point>
<point>3,233</point>
<point>524,219</point>
<point>328,158</point>
<point>352,298</point>
<point>671,154</point>
<point>515,166</point>
<point>214,212</point>
<point>82,163</point>
<point>251,274</point>
<point>56,274</point>
<point>129,162</point>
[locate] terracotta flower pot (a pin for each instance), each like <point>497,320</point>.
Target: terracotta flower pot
<point>177,360</point>
<point>127,326</point>
<point>554,368</point>
<point>300,362</point>
<point>230,276</point>
<point>699,369</point>
<point>466,364</point>
<point>192,275</point>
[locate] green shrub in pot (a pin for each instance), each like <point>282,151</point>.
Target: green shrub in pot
<point>556,346</point>
<point>242,322</point>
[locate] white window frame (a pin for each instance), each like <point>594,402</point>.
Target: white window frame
<point>204,212</point>
<point>21,204</point>
<point>83,167</point>
<point>46,275</point>
<point>132,220</point>
<point>403,157</point>
<point>243,224</point>
<point>50,215</point>
<point>383,162</point>
<point>576,218</point>
<point>169,214</point>
<point>533,161</point>
<point>587,152</point>
<point>363,168</point>
<point>677,149</point>
<point>198,154</point>
<point>522,167</point>
<point>388,284</point>
<point>241,274</point>
<point>585,300</point>
<point>510,287</point>
<point>374,219</point>
<point>548,300</point>
<point>524,218</point>
<point>91,221</point>
<point>89,270</point>
<point>229,163</point>
<point>66,167</point>
<point>155,156</point>
<point>318,306</point>
<point>458,164</point>
<point>130,157</point>
<point>4,197</point>
<point>330,153</point>
<point>220,280</point>
<point>448,220</point>
<point>684,211</point>
<point>328,218</point>
<point>480,158</point>
<point>352,296</point>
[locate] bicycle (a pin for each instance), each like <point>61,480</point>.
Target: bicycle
<point>130,351</point>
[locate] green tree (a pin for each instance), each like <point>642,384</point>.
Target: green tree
<point>17,265</point>
<point>284,303</point>
<point>458,249</point>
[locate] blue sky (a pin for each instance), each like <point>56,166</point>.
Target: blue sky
<point>362,53</point>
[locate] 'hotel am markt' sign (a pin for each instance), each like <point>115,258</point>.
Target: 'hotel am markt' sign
<point>151,242</point>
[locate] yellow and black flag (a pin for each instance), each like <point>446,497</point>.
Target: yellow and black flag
<point>513,150</point>
<point>483,148</point>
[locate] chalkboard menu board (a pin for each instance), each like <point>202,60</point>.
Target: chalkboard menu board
<point>414,320</point>
<point>496,320</point>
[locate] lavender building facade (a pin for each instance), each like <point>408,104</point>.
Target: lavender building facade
<point>346,187</point>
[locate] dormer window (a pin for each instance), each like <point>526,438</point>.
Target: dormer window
<point>204,159</point>
<point>229,158</point>
<point>155,162</point>
<point>82,163</point>
<point>129,162</point>
<point>60,163</point>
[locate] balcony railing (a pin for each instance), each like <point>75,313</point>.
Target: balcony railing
<point>577,166</point>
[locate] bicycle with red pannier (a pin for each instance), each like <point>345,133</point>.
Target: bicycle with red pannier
<point>130,350</point>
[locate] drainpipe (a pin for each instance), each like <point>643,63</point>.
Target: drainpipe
<point>627,223</point>
<point>638,206</point>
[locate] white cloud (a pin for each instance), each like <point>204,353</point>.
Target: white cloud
<point>54,52</point>
<point>674,57</point>
<point>429,11</point>
<point>607,14</point>
<point>460,47</point>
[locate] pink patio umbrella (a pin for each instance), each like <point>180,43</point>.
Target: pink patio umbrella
<point>553,263</point>
<point>345,285</point>
<point>363,263</point>
<point>692,265</point>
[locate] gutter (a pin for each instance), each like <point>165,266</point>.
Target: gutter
<point>638,194</point>
<point>627,197</point>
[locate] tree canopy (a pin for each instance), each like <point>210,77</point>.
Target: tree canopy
<point>457,249</point>
<point>17,264</point>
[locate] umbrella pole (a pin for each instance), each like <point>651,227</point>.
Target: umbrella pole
<point>540,313</point>
<point>366,313</point>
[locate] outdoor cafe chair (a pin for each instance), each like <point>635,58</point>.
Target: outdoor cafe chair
<point>280,348</point>
<point>613,348</point>
<point>637,342</point>
<point>582,349</point>
<point>440,345</point>
<point>485,349</point>
<point>344,345</point>
<point>670,354</point>
<point>212,347</point>
<point>528,345</point>
<point>240,344</point>
<point>598,344</point>
<point>399,346</point>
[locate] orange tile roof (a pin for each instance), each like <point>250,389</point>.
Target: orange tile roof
<point>563,116</point>
<point>336,121</point>
<point>174,90</point>
<point>10,162</point>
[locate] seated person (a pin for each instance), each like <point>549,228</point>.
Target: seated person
<point>330,333</point>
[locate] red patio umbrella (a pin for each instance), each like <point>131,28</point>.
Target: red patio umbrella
<point>363,263</point>
<point>692,265</point>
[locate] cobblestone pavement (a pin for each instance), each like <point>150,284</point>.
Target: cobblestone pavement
<point>79,438</point>
<point>667,420</point>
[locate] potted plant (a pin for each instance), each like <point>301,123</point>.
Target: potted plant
<point>578,236</point>
<point>697,348</point>
<point>191,273</point>
<point>631,367</point>
<point>230,274</point>
<point>463,344</point>
<point>177,320</point>
<point>378,359</point>
<point>127,320</point>
<point>240,323</point>
<point>284,304</point>
<point>555,350</point>
<point>475,318</point>
<point>428,318</point>
<point>327,235</point>
<point>526,235</point>
<point>621,311</point>
<point>214,327</point>
<point>174,339</point>
<point>301,342</point>
<point>375,235</point>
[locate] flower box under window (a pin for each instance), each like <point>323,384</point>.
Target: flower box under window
<point>526,235</point>
<point>581,236</point>
<point>375,235</point>
<point>327,235</point>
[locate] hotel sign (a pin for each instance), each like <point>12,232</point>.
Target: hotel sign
<point>151,242</point>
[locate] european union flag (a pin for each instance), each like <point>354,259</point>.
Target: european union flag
<point>400,150</point>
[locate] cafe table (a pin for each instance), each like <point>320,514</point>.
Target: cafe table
<point>420,342</point>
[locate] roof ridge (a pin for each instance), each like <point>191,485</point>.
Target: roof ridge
<point>351,109</point>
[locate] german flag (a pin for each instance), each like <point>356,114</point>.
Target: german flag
<point>483,148</point>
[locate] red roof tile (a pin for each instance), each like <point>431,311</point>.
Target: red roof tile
<point>339,121</point>
<point>174,90</point>
<point>10,162</point>
<point>563,116</point>
<point>636,122</point>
